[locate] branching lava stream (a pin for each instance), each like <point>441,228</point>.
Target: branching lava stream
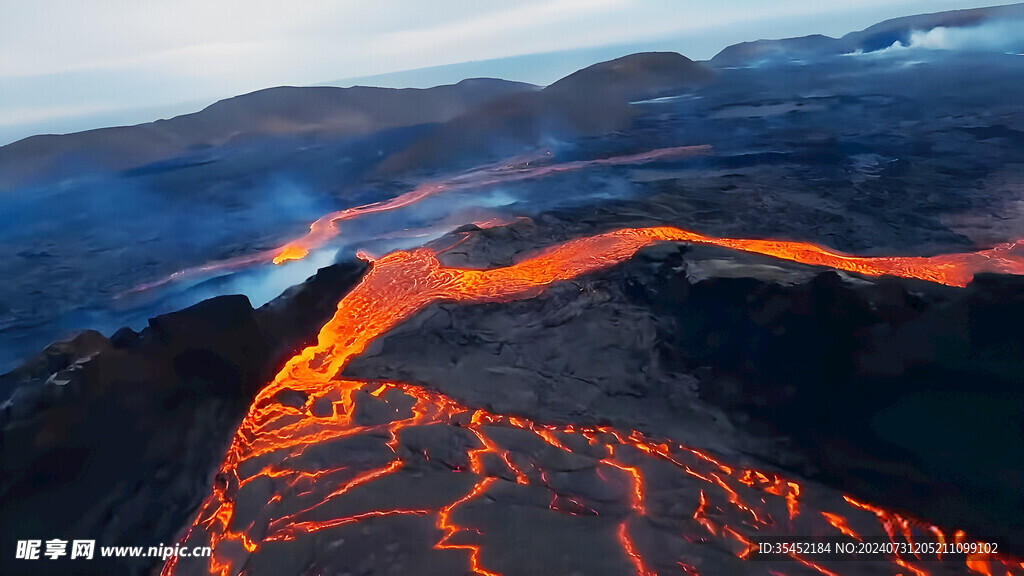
<point>326,227</point>
<point>278,453</point>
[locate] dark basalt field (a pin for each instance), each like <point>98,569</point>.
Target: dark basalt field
<point>651,408</point>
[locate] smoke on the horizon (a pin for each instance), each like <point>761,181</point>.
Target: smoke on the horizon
<point>1001,36</point>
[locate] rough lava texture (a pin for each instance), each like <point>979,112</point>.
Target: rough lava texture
<point>843,383</point>
<point>118,440</point>
<point>893,392</point>
<point>899,392</point>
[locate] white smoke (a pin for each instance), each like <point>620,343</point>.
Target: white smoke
<point>1003,36</point>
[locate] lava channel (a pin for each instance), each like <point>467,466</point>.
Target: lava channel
<point>327,227</point>
<point>321,454</point>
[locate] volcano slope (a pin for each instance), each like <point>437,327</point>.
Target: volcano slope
<point>630,421</point>
<point>118,439</point>
<point>656,416</point>
<point>669,412</point>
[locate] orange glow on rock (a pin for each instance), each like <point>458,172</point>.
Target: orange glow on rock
<point>840,523</point>
<point>629,547</point>
<point>327,227</point>
<point>449,529</point>
<point>734,503</point>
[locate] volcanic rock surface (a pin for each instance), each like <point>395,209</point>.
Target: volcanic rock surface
<point>861,384</point>
<point>520,436</point>
<point>118,439</point>
<point>646,418</point>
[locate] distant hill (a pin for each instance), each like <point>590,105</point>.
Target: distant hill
<point>877,37</point>
<point>637,76</point>
<point>803,48</point>
<point>884,34</point>
<point>591,101</point>
<point>475,118</point>
<point>313,112</point>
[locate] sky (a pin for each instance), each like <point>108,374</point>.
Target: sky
<point>68,65</point>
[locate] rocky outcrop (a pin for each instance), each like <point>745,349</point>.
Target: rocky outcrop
<point>118,440</point>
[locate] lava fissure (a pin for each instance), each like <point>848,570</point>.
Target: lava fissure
<point>326,227</point>
<point>736,505</point>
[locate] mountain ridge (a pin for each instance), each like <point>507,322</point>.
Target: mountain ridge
<point>316,112</point>
<point>588,101</point>
<point>873,38</point>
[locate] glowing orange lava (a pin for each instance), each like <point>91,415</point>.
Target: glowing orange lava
<point>326,227</point>
<point>736,504</point>
<point>290,253</point>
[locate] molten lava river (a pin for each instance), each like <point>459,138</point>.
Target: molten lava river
<point>338,471</point>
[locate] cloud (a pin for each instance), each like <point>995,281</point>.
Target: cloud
<point>59,56</point>
<point>501,23</point>
<point>300,42</point>
<point>35,115</point>
<point>54,36</point>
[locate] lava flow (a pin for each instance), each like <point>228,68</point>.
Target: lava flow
<point>322,455</point>
<point>326,227</point>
